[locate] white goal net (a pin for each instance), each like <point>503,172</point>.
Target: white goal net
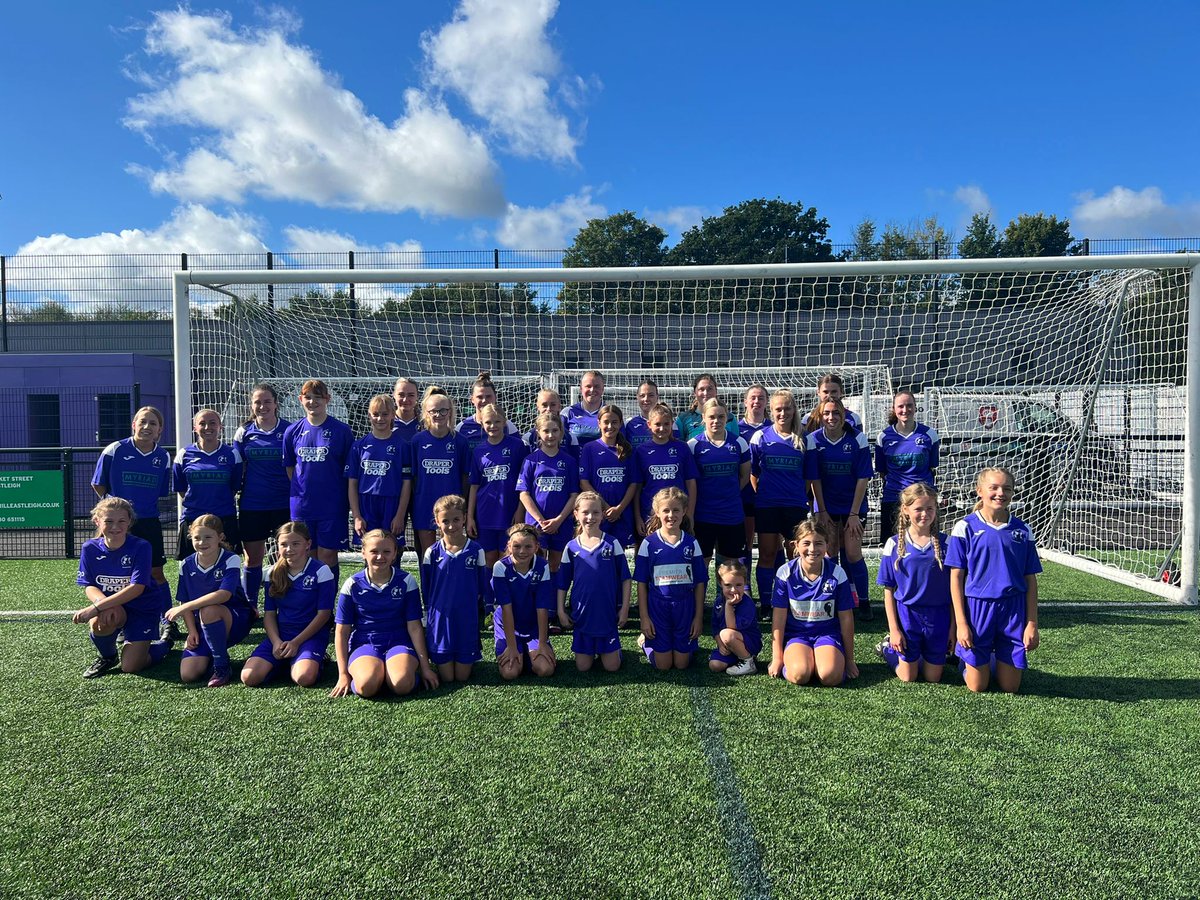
<point>1071,372</point>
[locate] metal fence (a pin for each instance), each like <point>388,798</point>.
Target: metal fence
<point>72,503</point>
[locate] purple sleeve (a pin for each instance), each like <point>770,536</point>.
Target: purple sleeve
<point>233,578</point>
<point>289,446</point>
<point>543,593</point>
<point>699,572</point>
<point>102,473</point>
<point>475,473</point>
<point>500,593</point>
<point>641,567</point>
<point>1033,564</point>
<point>270,601</point>
<point>326,592</point>
<point>622,565</point>
<point>483,581</point>
<point>779,594</point>
<point>464,455</point>
<point>636,475</point>
<point>525,479</point>
<point>565,572</point>
<point>141,566</point>
<point>812,462</point>
<point>164,484</point>
<point>887,571</point>
<point>345,610</point>
<point>756,457</point>
<point>842,596</point>
<point>353,467</point>
<point>406,461</point>
<point>182,595</point>
<point>412,601</point>
<point>744,455</point>
<point>862,461</point>
<point>688,469</point>
<point>84,576</point>
<point>956,552</point>
<point>427,569</point>
<point>179,478</point>
<point>880,456</point>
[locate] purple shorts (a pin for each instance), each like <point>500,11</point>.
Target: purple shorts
<point>926,632</point>
<point>314,648</point>
<point>672,627</point>
<point>238,629</point>
<point>997,626</point>
<point>140,626</point>
<point>588,645</point>
<point>492,539</point>
<point>380,646</point>
<point>621,530</point>
<point>819,640</point>
<point>718,656</point>
<point>525,645</point>
<point>378,511</point>
<point>559,540</point>
<point>752,640</point>
<point>328,533</point>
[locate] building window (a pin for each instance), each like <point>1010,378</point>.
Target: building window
<point>113,416</point>
<point>45,429</point>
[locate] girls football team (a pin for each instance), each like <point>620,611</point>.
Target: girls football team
<point>589,486</point>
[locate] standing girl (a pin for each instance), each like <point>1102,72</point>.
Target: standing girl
<point>583,418</point>
<point>837,465</point>
<point>831,387</point>
<point>438,464</point>
<point>638,429</point>
<point>755,405</point>
<point>607,469</point>
<point>671,580</point>
<point>595,572</point>
<point>722,470</point>
<point>408,419</point>
<point>993,581</point>
<point>315,450</point>
<point>780,489</point>
<point>297,609</point>
<point>548,485</point>
<point>114,572</point>
<point>208,475</point>
<point>495,467</point>
<point>379,637</point>
<point>906,452</point>
<point>375,472</point>
<point>734,623</point>
<point>263,506</point>
<point>470,429</point>
<point>210,583</point>
<point>523,591</point>
<point>662,462</point>
<point>813,626</point>
<point>137,469</point>
<point>916,589</point>
<point>455,585</point>
<point>548,402</point>
<point>691,421</point>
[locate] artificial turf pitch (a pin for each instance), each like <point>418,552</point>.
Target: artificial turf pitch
<point>626,785</point>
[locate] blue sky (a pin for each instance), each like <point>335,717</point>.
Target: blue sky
<point>475,124</point>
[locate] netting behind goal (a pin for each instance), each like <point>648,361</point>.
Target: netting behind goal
<point>1074,379</point>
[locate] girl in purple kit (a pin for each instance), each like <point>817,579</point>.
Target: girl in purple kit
<point>438,464</point>
<point>263,506</point>
<point>210,590</point>
<point>993,582</point>
<point>662,462</point>
<point>208,475</point>
<point>408,418</point>
<point>734,623</point>
<point>638,429</point>
<point>315,450</point>
<point>781,490</point>
<point>375,472</point>
<point>455,584</point>
<point>671,580</point>
<point>495,467</point>
<point>755,404</point>
<point>548,401</point>
<point>596,574</point>
<point>297,610</point>
<point>722,470</point>
<point>906,452</point>
<point>583,420</point>
<point>139,470</point>
<point>916,589</point>
<point>114,572</point>
<point>606,467</point>
<point>831,386</point>
<point>812,630</point>
<point>548,485</point>
<point>379,638</point>
<point>523,591</point>
<point>837,466</point>
<point>470,429</point>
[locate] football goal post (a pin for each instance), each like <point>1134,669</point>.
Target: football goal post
<point>1079,374</point>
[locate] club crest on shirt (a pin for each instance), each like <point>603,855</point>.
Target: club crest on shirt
<point>223,460</point>
<point>325,432</point>
<point>845,448</point>
<point>396,591</point>
<point>828,586</point>
<point>606,553</point>
<point>309,582</point>
<point>671,451</point>
<point>1018,537</point>
<point>219,574</point>
<point>391,449</point>
<point>127,560</point>
<point>921,440</point>
<point>469,562</point>
<point>158,462</point>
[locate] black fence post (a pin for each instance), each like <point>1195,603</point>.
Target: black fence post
<point>1085,247</point>
<point>137,396</point>
<point>270,319</point>
<point>3,305</point>
<point>496,258</point>
<point>68,475</point>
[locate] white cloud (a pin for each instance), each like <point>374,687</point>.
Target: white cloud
<point>1123,213</point>
<point>974,199</point>
<point>549,227</point>
<point>279,126</point>
<point>676,219</point>
<point>314,240</point>
<point>191,229</point>
<point>496,54</point>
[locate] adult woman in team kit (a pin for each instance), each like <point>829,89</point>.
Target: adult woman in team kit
<point>533,531</point>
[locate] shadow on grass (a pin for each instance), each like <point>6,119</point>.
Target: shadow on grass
<point>1061,617</point>
<point>1109,688</point>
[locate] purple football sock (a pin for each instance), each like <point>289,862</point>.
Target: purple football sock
<point>106,644</point>
<point>217,637</point>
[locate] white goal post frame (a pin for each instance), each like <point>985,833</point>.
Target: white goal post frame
<point>1186,593</point>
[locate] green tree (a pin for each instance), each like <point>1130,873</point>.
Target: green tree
<point>981,240</point>
<point>755,231</point>
<point>48,311</point>
<point>463,300</point>
<point>622,239</point>
<point>865,246</point>
<point>1038,235</point>
<point>315,304</point>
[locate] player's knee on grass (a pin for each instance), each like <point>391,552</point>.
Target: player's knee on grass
<point>932,673</point>
<point>135,657</point>
<point>977,678</point>
<point>907,671</point>
<point>682,660</point>
<point>252,675</point>
<point>611,661</point>
<point>510,669</point>
<point>542,667</point>
<point>583,663</point>
<point>193,668</point>
<point>306,672</point>
<point>1008,678</point>
<point>716,665</point>
<point>832,676</point>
